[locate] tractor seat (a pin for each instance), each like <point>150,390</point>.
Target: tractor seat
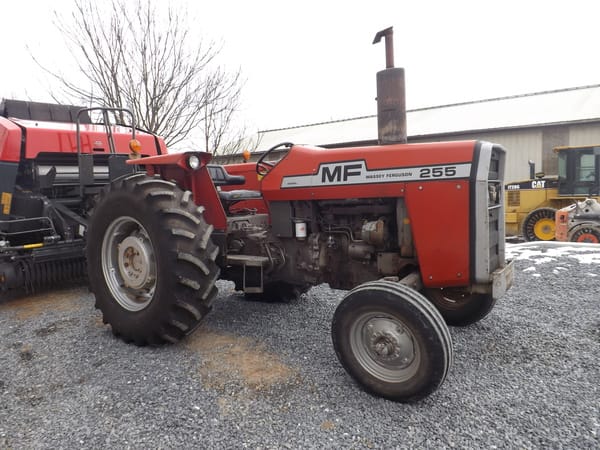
<point>230,198</point>
<point>238,195</point>
<point>221,177</point>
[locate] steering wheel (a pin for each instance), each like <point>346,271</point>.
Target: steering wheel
<point>264,167</point>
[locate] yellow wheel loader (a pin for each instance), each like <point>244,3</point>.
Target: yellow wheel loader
<point>531,205</point>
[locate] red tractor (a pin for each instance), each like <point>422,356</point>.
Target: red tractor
<point>415,232</point>
<point>53,163</point>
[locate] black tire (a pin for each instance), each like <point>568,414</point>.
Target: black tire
<point>151,261</point>
<point>383,317</point>
<point>458,308</point>
<point>539,225</point>
<point>587,233</point>
<point>278,292</point>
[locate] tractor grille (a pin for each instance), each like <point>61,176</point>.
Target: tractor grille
<point>488,213</point>
<point>495,210</point>
<point>513,198</point>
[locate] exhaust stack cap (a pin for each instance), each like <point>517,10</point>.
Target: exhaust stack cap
<point>388,35</point>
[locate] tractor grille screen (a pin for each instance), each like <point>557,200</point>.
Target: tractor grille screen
<point>488,215</point>
<point>513,198</point>
<point>494,218</point>
<point>494,173</point>
<point>495,209</point>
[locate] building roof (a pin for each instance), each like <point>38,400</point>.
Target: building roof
<point>579,104</point>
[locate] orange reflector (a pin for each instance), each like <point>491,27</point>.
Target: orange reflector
<point>246,155</point>
<point>135,146</point>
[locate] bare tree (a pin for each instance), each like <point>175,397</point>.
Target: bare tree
<point>236,144</point>
<point>135,55</point>
<point>220,107</point>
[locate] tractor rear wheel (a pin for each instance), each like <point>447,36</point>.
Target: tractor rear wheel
<point>151,261</point>
<point>539,225</point>
<point>585,233</point>
<point>392,341</point>
<point>459,308</point>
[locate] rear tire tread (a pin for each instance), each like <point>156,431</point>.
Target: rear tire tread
<point>197,262</point>
<point>206,237</point>
<point>183,214</point>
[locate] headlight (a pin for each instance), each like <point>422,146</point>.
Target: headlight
<point>193,162</point>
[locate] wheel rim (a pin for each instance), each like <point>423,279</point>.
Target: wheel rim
<point>587,237</point>
<point>544,229</point>
<point>385,347</point>
<point>128,263</point>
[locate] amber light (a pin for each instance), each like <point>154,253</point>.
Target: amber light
<point>135,146</point>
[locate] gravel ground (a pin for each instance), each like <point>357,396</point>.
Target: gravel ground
<point>265,375</point>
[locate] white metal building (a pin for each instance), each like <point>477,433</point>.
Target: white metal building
<point>529,126</point>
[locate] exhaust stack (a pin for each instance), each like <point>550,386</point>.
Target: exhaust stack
<point>391,98</point>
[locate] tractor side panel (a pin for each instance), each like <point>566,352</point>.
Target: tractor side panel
<point>433,179</point>
<point>439,216</point>
<point>10,149</point>
<point>307,173</point>
<point>10,141</point>
<point>206,194</point>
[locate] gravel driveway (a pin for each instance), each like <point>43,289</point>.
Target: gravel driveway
<point>265,375</point>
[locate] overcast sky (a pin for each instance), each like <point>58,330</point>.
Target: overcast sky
<point>310,61</point>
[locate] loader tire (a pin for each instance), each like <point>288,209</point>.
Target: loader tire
<point>151,261</point>
<point>460,309</point>
<point>585,233</point>
<point>392,341</point>
<point>539,225</point>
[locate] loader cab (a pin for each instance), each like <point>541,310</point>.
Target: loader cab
<point>578,170</point>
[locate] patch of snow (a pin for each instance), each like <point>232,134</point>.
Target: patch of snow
<point>542,252</point>
<point>544,259</point>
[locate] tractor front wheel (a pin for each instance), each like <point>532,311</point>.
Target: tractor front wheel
<point>539,225</point>
<point>151,261</point>
<point>392,341</point>
<point>459,308</point>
